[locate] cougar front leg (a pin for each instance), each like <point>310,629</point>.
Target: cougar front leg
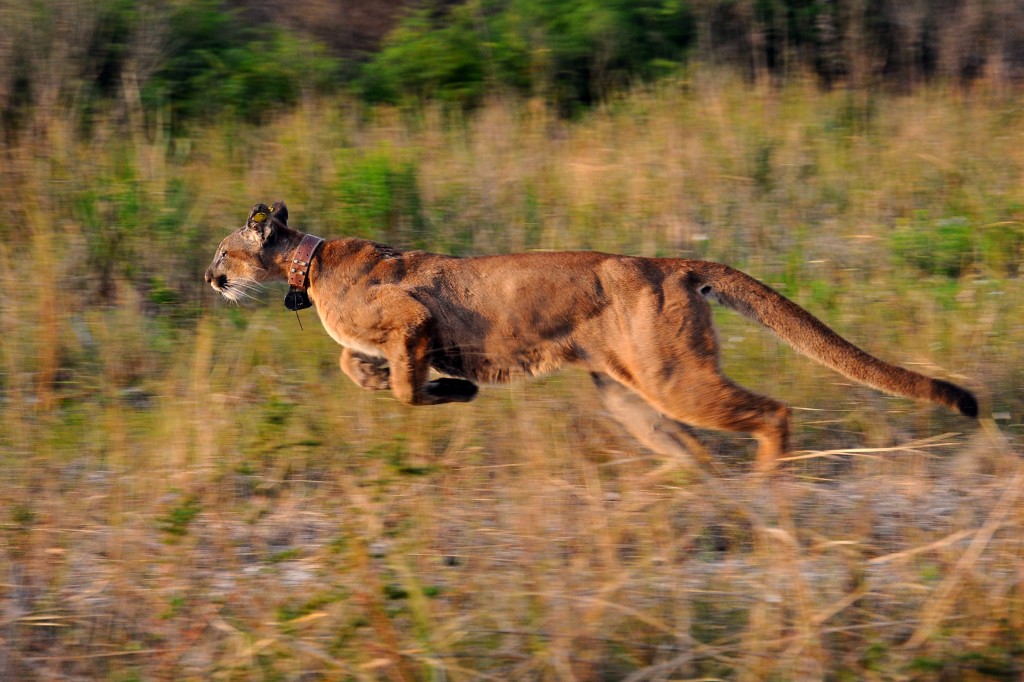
<point>410,370</point>
<point>366,371</point>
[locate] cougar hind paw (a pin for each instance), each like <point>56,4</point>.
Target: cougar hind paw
<point>452,390</point>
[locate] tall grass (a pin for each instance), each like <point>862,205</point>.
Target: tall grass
<point>193,491</point>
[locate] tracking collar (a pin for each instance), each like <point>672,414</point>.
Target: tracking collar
<point>298,275</point>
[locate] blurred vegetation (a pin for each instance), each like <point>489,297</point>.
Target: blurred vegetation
<point>571,53</point>
<point>183,61</point>
<point>193,491</point>
<point>214,62</point>
<point>178,61</point>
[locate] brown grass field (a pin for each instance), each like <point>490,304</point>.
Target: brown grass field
<point>193,491</point>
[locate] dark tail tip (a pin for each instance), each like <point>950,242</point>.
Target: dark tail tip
<point>968,405</point>
<point>959,399</point>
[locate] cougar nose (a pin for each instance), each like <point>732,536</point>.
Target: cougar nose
<point>209,275</point>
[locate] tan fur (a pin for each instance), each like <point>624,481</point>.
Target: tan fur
<point>641,323</point>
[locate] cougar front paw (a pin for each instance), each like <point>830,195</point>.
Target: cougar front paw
<point>365,371</point>
<point>374,376</point>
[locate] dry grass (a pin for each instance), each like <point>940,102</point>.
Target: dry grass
<point>193,491</point>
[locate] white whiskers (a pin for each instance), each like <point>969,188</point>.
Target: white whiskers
<point>243,288</point>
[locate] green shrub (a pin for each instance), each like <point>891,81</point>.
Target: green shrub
<point>120,217</point>
<point>1002,247</point>
<point>951,246</point>
<point>192,59</point>
<point>111,211</point>
<point>379,199</point>
<point>423,58</point>
<point>216,63</point>
<point>935,247</point>
<point>586,48</point>
<point>179,517</point>
<point>573,51</point>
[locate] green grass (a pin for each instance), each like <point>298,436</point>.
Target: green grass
<point>194,491</point>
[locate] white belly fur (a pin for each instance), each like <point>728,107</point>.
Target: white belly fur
<point>355,344</point>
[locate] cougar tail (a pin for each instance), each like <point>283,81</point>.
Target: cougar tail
<point>810,336</point>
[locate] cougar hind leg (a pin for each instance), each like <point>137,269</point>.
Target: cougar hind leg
<point>714,402</point>
<point>649,427</point>
<point>676,370</point>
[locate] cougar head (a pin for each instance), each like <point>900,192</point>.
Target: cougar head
<point>241,262</point>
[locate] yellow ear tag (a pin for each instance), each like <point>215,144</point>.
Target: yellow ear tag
<point>259,217</point>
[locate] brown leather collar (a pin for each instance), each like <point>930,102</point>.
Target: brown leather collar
<point>298,275</point>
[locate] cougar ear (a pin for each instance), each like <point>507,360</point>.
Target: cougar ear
<point>280,212</point>
<point>259,221</point>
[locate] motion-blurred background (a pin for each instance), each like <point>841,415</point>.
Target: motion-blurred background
<point>192,490</point>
